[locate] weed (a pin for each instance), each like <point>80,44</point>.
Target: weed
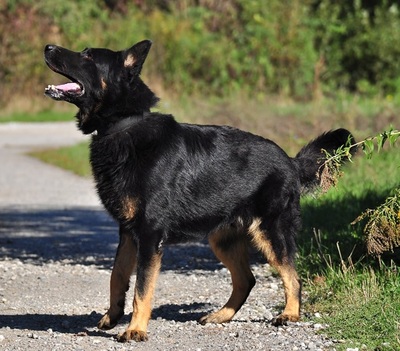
<point>382,231</point>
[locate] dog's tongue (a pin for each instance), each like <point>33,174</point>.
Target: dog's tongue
<point>68,87</point>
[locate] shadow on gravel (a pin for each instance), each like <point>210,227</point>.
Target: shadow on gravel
<point>183,312</point>
<point>86,236</point>
<point>75,235</point>
<point>81,323</point>
<point>57,323</point>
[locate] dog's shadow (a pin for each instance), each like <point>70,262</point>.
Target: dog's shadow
<point>54,323</point>
<point>181,312</point>
<point>85,325</point>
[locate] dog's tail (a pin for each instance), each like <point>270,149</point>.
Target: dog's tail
<point>310,160</point>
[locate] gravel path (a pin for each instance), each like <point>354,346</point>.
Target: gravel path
<point>56,252</point>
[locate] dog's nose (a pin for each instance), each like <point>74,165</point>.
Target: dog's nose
<point>49,47</point>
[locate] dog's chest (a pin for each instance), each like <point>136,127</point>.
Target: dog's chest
<point>113,167</point>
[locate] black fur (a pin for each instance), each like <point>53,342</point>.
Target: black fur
<point>167,182</point>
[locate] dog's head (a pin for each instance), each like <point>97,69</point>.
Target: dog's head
<point>104,84</point>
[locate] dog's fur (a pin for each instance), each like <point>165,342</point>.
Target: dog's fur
<point>166,182</point>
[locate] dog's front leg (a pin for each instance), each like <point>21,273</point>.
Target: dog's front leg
<point>149,264</point>
<point>125,263</point>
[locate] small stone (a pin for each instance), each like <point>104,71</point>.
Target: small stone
<point>2,338</point>
<point>318,326</point>
<point>274,286</point>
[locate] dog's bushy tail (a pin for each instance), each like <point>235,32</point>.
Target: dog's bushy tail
<point>310,160</point>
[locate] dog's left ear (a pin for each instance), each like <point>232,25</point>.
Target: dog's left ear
<point>135,57</point>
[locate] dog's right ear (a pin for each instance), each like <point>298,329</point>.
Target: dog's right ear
<point>135,57</point>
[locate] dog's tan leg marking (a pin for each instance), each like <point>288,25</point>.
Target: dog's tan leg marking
<point>286,270</point>
<point>137,329</point>
<point>234,255</point>
<point>129,207</point>
<point>103,84</point>
<point>124,265</point>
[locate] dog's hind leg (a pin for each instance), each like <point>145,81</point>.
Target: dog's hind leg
<point>280,255</point>
<point>231,248</point>
<point>124,265</point>
<point>148,268</point>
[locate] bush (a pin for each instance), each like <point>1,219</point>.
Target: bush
<point>299,49</point>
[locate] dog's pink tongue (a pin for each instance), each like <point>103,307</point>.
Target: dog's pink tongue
<point>68,87</point>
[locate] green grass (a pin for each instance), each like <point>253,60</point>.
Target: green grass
<point>361,306</point>
<point>43,116</point>
<point>72,158</point>
<point>358,296</point>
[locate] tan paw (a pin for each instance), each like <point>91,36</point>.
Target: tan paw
<point>216,317</point>
<point>282,319</point>
<point>135,335</point>
<point>106,322</point>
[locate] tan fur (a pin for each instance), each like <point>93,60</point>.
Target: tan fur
<point>129,207</point>
<point>124,265</point>
<point>235,258</point>
<point>286,270</point>
<point>260,241</point>
<point>103,84</point>
<point>129,61</point>
<point>137,329</point>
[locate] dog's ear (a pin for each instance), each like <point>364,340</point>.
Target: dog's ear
<point>135,56</point>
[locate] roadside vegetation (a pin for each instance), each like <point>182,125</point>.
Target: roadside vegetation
<point>284,70</point>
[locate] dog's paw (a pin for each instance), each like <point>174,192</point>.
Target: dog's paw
<point>135,335</point>
<point>221,316</point>
<point>282,319</point>
<point>107,322</point>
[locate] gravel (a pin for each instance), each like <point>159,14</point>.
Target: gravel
<point>56,253</point>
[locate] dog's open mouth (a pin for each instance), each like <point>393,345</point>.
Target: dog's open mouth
<point>64,91</point>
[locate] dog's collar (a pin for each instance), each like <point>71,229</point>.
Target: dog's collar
<point>120,125</point>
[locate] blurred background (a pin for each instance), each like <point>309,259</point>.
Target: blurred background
<point>243,62</point>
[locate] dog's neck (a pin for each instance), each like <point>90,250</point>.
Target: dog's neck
<point>121,125</point>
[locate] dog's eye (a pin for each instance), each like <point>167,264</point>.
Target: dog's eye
<point>87,54</point>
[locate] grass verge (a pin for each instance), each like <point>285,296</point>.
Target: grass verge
<point>43,116</point>
<point>358,296</point>
<point>72,158</point>
<point>361,306</point>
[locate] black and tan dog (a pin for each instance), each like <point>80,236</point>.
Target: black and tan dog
<point>167,182</point>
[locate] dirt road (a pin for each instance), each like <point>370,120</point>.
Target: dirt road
<point>56,251</point>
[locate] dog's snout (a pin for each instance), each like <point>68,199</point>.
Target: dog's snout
<point>49,47</point>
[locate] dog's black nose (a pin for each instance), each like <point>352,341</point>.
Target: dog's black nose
<point>49,47</point>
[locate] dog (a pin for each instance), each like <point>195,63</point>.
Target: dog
<point>168,182</point>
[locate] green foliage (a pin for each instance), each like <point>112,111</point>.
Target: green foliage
<point>370,319</point>
<point>301,49</point>
<point>333,255</point>
<point>360,42</point>
<point>382,231</point>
